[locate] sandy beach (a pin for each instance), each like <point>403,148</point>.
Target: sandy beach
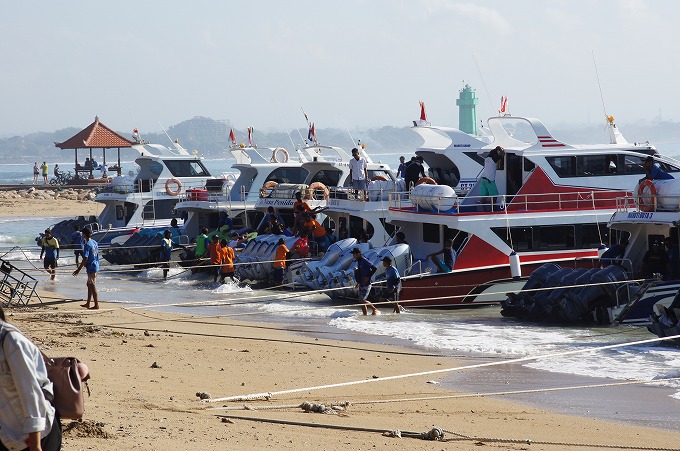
<point>147,368</point>
<point>48,202</point>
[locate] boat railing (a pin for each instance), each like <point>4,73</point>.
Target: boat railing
<point>576,200</point>
<point>16,286</point>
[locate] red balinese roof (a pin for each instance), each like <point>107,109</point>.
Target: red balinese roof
<point>95,135</point>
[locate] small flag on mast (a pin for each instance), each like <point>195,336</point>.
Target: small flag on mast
<point>423,116</point>
<point>504,105</point>
<point>232,137</point>
<point>312,133</point>
<point>250,136</point>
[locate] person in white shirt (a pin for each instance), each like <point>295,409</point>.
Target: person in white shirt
<point>358,171</point>
<point>488,178</point>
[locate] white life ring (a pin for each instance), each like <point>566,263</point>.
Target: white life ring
<point>318,186</point>
<point>267,185</point>
<point>284,155</point>
<point>426,180</point>
<point>178,188</point>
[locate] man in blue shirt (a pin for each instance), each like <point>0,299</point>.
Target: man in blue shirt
<point>166,252</point>
<point>393,283</point>
<point>401,170</point>
<point>449,254</point>
<point>50,248</point>
<point>91,263</point>
<point>654,172</point>
<point>362,274</point>
<point>77,243</point>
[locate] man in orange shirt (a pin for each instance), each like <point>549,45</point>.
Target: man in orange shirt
<point>215,255</point>
<point>280,256</point>
<point>227,261</point>
<point>318,232</point>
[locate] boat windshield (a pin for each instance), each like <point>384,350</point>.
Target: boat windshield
<point>187,168</point>
<point>288,175</point>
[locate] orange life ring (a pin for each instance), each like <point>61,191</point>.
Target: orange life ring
<point>177,190</point>
<point>318,186</point>
<point>267,185</point>
<point>426,180</point>
<point>642,204</point>
<point>379,177</point>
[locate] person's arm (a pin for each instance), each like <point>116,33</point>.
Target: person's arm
<point>83,262</point>
<point>57,245</point>
<point>42,251</point>
<point>434,253</point>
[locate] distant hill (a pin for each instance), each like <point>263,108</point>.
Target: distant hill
<point>210,138</point>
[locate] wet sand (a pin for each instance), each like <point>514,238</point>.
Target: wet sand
<point>147,368</point>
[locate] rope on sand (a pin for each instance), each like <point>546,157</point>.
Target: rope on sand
<point>268,395</point>
<point>344,405</point>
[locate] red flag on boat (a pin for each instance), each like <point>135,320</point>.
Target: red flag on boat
<point>250,136</point>
<point>312,133</point>
<point>504,105</point>
<point>232,137</point>
<point>423,116</point>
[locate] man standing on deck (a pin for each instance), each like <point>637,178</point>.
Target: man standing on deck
<point>358,171</point>
<point>653,171</point>
<point>50,248</point>
<point>487,179</point>
<point>414,170</point>
<point>401,170</point>
<point>91,263</point>
<point>362,274</point>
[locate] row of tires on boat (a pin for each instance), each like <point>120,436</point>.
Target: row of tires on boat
<point>568,295</point>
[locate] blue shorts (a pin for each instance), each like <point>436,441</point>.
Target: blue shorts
<point>364,290</point>
<point>444,266</point>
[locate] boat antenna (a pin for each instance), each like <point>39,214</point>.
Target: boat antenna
<point>597,75</point>
<point>474,58</point>
<point>166,133</point>
<point>354,143</point>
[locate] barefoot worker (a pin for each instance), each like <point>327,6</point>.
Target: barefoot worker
<point>91,263</point>
<point>362,274</point>
<point>393,283</point>
<point>50,249</point>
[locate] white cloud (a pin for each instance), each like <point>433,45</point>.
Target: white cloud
<point>491,19</point>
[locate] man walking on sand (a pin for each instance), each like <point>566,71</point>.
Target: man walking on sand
<point>91,263</point>
<point>50,249</point>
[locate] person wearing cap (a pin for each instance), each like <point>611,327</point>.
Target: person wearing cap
<point>413,171</point>
<point>166,252</point>
<point>50,249</point>
<point>614,254</point>
<point>362,274</point>
<point>224,222</point>
<point>280,256</point>
<point>393,281</point>
<point>655,261</point>
<point>449,257</point>
<point>487,179</point>
<point>653,171</point>
<point>215,250</point>
<point>358,172</point>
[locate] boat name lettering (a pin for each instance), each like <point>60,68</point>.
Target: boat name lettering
<point>279,202</point>
<point>640,215</point>
<point>461,145</point>
<point>332,202</point>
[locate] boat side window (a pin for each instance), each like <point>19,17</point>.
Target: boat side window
<point>187,168</point>
<point>431,233</point>
<point>590,236</point>
<point>288,175</point>
<point>563,166</point>
<point>327,177</point>
<point>592,165</point>
<point>521,238</point>
<point>555,237</point>
<point>389,228</point>
<point>528,165</point>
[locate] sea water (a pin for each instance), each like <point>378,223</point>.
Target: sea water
<point>475,335</point>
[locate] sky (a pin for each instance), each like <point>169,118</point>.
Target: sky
<point>349,64</point>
